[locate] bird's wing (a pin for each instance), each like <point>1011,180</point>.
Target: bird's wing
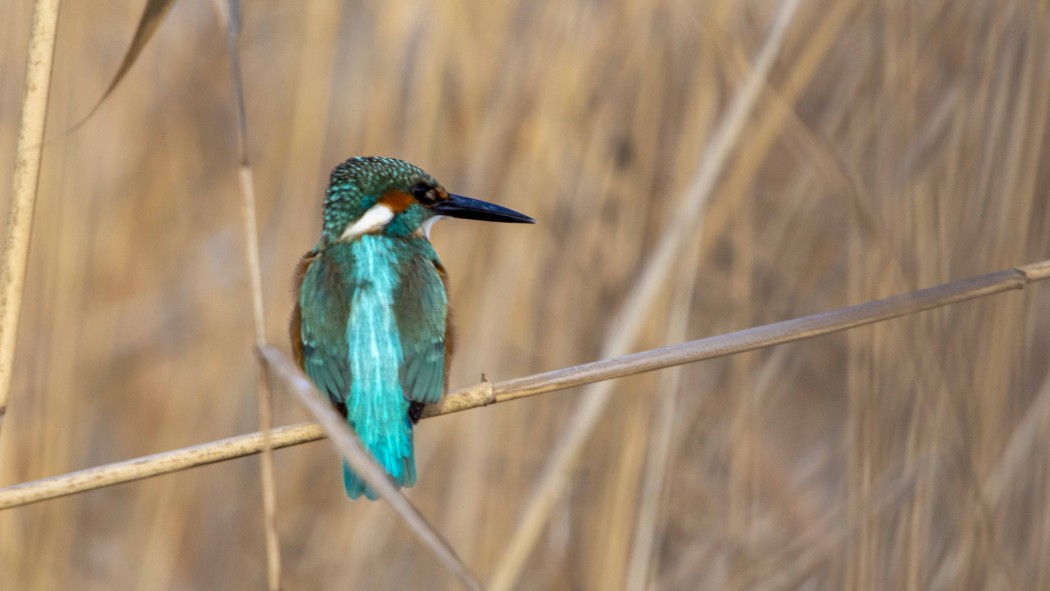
<point>319,326</point>
<point>423,323</point>
<point>348,344</point>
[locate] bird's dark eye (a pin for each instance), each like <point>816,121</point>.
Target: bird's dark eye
<point>424,193</point>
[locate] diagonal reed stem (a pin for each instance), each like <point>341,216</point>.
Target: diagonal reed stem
<point>486,393</point>
<point>26,177</point>
<point>630,318</point>
<point>346,442</point>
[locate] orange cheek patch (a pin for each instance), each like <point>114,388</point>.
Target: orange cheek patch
<point>397,201</point>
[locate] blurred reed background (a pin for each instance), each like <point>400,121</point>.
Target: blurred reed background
<point>896,145</point>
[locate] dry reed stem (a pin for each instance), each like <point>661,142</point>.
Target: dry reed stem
<point>26,176</point>
<point>230,14</point>
<point>347,444</point>
<point>265,403</point>
<point>630,319</point>
<point>486,393</point>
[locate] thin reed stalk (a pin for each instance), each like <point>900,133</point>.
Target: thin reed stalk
<point>230,12</point>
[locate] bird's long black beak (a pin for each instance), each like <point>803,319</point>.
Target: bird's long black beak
<point>458,206</point>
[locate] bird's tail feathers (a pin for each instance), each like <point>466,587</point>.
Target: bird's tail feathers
<point>399,463</point>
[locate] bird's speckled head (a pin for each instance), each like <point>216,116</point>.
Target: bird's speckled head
<point>372,195</point>
<point>359,184</point>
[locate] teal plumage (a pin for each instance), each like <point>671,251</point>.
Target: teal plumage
<point>371,326</point>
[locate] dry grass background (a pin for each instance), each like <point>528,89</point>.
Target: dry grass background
<point>897,145</point>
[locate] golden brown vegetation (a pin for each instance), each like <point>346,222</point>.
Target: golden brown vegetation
<point>896,145</point>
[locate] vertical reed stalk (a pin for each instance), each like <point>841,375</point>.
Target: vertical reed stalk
<point>26,177</point>
<point>230,12</point>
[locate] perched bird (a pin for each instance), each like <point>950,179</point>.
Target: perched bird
<point>371,325</point>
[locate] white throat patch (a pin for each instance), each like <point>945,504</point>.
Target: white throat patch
<point>427,225</point>
<point>376,218</point>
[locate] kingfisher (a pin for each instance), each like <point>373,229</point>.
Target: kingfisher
<point>372,326</point>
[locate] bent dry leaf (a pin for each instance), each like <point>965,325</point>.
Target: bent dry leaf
<point>151,18</point>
